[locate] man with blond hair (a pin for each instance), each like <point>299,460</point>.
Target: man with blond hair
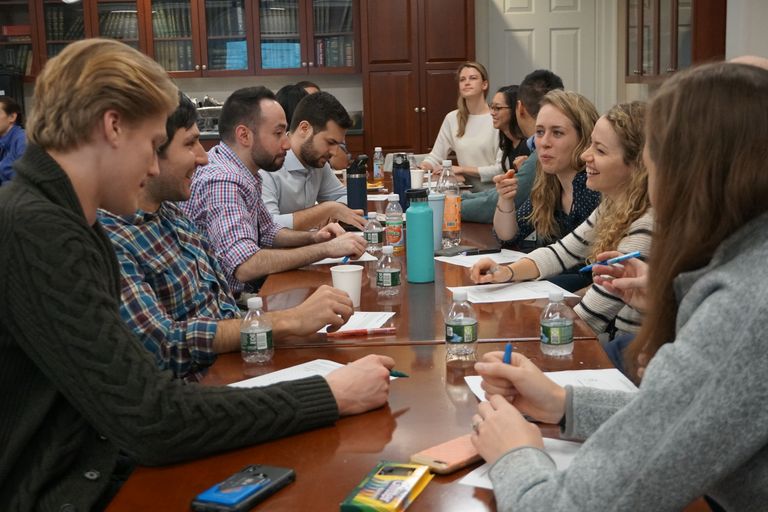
<point>80,400</point>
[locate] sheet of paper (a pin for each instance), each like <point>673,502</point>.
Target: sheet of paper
<point>505,256</point>
<point>320,367</point>
<point>335,261</point>
<point>562,452</point>
<point>504,292</point>
<point>364,320</point>
<point>609,379</point>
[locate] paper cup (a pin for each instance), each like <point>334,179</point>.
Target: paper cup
<point>417,178</point>
<point>348,278</point>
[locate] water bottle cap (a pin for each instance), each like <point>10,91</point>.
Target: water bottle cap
<point>459,295</point>
<point>254,303</point>
<point>416,193</point>
<point>447,163</point>
<point>393,197</point>
<point>555,296</point>
<point>387,249</point>
<point>372,215</point>
<point>377,149</point>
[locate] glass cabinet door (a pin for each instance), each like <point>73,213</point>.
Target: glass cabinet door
<point>280,38</point>
<point>64,23</point>
<point>16,36</point>
<point>333,33</point>
<point>226,30</point>
<point>172,34</point>
<point>119,19</point>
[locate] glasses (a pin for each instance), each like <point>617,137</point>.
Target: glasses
<point>496,108</point>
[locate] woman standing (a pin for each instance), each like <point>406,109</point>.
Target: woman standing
<point>698,424</point>
<point>623,221</point>
<point>13,140</point>
<point>468,131</point>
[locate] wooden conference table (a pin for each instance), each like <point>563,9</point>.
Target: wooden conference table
<point>431,406</point>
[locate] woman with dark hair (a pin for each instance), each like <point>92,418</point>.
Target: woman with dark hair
<point>288,97</point>
<point>512,142</point>
<point>13,139</point>
<point>699,423</point>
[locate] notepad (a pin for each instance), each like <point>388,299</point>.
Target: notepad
<point>364,320</point>
<point>335,261</point>
<point>505,292</point>
<point>505,256</point>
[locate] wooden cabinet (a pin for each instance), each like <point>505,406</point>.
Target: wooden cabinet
<point>411,50</point>
<point>302,37</point>
<point>18,45</point>
<point>664,36</point>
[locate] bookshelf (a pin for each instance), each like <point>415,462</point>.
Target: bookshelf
<point>16,47</point>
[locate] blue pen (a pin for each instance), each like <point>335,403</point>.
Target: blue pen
<point>345,260</point>
<point>508,353</point>
<point>617,259</point>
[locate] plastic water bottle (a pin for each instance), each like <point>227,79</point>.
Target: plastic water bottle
<point>419,253</point>
<point>373,233</point>
<point>449,185</point>
<point>388,273</point>
<point>461,330</point>
<point>376,179</point>
<point>256,334</point>
<point>557,327</point>
<point>394,213</point>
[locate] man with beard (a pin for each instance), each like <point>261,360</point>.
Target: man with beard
<point>305,193</point>
<point>226,204</point>
<point>174,295</point>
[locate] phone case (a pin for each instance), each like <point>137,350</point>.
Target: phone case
<point>449,456</point>
<point>243,490</point>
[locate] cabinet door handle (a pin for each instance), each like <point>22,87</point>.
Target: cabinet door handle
<point>197,67</point>
<point>670,70</point>
<point>636,72</point>
<point>205,67</point>
<point>416,109</point>
<point>303,64</point>
<point>311,63</point>
<point>423,109</point>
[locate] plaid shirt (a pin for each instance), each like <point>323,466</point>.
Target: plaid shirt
<point>226,206</point>
<point>173,290</point>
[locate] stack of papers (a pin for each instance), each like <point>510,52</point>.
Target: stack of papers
<point>336,261</point>
<point>505,292</point>
<point>505,256</point>
<point>364,320</point>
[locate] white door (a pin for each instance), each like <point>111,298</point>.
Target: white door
<point>574,38</point>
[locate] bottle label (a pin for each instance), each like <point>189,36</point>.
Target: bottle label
<point>376,170</point>
<point>395,233</point>
<point>459,333</point>
<point>387,278</point>
<point>557,334</point>
<point>452,214</point>
<point>253,341</point>
<point>374,237</point>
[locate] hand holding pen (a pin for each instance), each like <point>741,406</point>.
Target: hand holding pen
<point>488,271</point>
<point>629,281</point>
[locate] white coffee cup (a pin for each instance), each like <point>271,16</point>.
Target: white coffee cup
<point>417,178</point>
<point>348,278</point>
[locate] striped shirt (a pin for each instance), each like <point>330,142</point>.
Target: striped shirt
<point>598,308</point>
<point>173,291</point>
<point>226,206</point>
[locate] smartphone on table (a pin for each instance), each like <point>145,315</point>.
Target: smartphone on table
<point>449,456</point>
<point>243,490</point>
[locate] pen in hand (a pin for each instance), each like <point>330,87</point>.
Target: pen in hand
<point>507,353</point>
<point>345,260</point>
<point>617,259</point>
<point>395,373</point>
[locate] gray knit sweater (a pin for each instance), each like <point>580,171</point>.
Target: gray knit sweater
<point>699,424</point>
<point>76,386</point>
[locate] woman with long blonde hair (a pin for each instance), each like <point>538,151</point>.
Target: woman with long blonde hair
<point>468,131</point>
<point>623,221</point>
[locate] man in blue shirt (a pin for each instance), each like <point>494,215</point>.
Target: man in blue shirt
<point>174,294</point>
<point>13,140</point>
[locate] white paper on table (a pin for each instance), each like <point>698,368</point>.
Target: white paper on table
<point>505,256</point>
<point>505,292</point>
<point>562,452</point>
<point>609,379</point>
<point>332,261</point>
<point>364,320</point>
<point>320,367</point>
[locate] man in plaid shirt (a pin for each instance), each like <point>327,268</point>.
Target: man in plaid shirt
<point>174,294</point>
<point>226,201</point>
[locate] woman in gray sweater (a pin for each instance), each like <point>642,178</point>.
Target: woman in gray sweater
<point>699,423</point>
